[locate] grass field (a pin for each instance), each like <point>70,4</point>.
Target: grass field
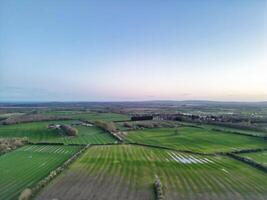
<point>38,132</point>
<point>88,135</point>
<point>27,165</point>
<point>35,131</point>
<point>195,139</point>
<point>259,157</point>
<point>247,132</point>
<point>91,116</point>
<point>128,172</point>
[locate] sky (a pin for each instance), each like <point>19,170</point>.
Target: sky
<point>132,50</point>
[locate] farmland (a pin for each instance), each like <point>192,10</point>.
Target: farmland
<point>195,139</point>
<point>192,160</point>
<point>29,164</point>
<point>35,131</point>
<point>90,116</point>
<point>38,132</point>
<point>235,130</point>
<point>259,157</point>
<point>128,172</point>
<point>87,135</point>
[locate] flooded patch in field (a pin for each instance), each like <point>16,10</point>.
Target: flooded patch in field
<point>188,159</point>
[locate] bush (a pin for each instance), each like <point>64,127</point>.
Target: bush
<point>7,144</point>
<point>25,194</point>
<point>158,189</point>
<point>127,125</point>
<point>68,130</point>
<point>107,126</point>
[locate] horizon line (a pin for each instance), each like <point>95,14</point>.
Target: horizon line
<point>130,101</point>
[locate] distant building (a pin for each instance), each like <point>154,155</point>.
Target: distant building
<point>54,126</point>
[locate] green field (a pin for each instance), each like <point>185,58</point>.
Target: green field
<point>27,165</point>
<point>35,131</point>
<point>38,132</point>
<point>91,116</point>
<point>87,135</point>
<point>259,157</point>
<point>128,172</point>
<point>195,139</point>
<point>243,131</point>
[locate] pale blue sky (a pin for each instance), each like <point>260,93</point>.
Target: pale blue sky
<point>133,50</point>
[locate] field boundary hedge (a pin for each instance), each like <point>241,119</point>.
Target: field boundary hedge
<point>29,118</point>
<point>247,151</point>
<point>238,126</point>
<point>18,147</point>
<point>110,128</point>
<point>56,143</point>
<point>158,189</point>
<point>29,193</point>
<point>238,133</point>
<point>46,143</point>
<point>248,161</point>
<point>192,126</point>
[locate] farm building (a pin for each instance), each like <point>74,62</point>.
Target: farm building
<point>54,126</point>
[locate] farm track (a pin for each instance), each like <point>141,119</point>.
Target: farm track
<point>128,172</point>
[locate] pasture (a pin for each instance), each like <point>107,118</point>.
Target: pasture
<point>259,157</point>
<point>90,116</point>
<point>128,172</point>
<point>87,135</point>
<point>38,132</point>
<point>34,131</point>
<point>195,139</point>
<point>27,165</point>
<point>236,130</point>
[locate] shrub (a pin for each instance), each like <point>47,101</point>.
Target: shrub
<point>25,194</point>
<point>158,189</point>
<point>108,126</point>
<point>68,130</point>
<point>127,125</point>
<point>7,144</point>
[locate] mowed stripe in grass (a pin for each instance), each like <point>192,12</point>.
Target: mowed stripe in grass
<point>195,139</point>
<point>38,132</point>
<point>27,165</point>
<point>128,172</point>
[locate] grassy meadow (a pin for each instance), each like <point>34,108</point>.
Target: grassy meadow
<point>259,157</point>
<point>128,172</point>
<point>38,132</point>
<point>27,165</point>
<point>195,139</point>
<point>90,116</point>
